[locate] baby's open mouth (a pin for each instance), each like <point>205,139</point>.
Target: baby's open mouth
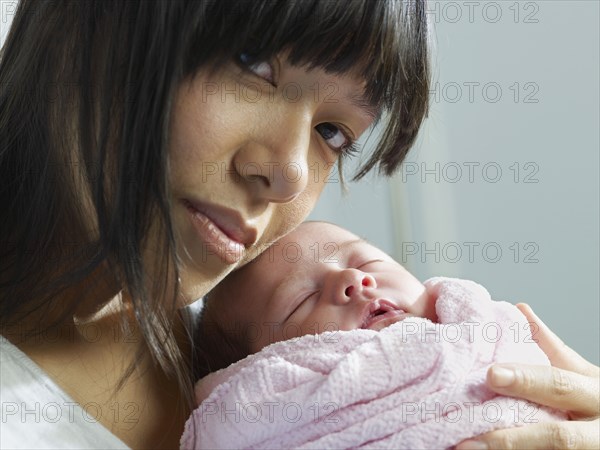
<point>380,310</point>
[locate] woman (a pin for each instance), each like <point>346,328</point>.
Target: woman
<point>150,148</point>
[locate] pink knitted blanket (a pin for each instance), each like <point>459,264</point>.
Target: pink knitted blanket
<point>415,384</point>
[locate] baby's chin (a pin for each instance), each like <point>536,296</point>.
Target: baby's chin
<point>387,321</point>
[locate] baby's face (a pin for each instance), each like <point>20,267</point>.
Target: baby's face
<point>319,278</point>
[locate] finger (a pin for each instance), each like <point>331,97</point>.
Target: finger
<point>552,435</point>
<point>548,386</point>
<point>559,354</point>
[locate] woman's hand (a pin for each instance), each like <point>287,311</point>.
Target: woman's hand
<point>572,384</point>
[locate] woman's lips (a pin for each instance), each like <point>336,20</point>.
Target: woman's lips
<point>222,231</point>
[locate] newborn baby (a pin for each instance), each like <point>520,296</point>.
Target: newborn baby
<point>348,349</point>
<point>318,278</point>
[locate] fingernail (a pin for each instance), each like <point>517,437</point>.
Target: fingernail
<point>502,377</point>
<point>472,445</point>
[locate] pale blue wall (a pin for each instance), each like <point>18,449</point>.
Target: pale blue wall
<point>553,132</point>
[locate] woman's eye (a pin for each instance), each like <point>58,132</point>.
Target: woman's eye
<point>336,138</point>
<point>261,68</point>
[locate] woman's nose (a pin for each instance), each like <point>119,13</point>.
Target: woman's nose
<point>275,161</point>
<point>349,284</point>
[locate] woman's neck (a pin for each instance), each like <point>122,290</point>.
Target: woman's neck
<point>87,357</point>
<point>82,344</point>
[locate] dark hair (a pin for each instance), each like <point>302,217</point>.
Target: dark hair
<point>217,343</point>
<point>85,103</point>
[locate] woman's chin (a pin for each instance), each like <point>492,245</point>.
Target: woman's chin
<point>195,283</point>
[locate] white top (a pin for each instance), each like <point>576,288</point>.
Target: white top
<point>38,414</point>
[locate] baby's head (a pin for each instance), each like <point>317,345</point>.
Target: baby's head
<point>320,277</point>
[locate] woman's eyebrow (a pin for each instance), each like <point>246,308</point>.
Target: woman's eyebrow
<point>360,101</point>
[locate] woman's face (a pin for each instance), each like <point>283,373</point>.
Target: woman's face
<point>251,148</point>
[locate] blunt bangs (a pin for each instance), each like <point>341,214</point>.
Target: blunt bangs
<point>382,41</point>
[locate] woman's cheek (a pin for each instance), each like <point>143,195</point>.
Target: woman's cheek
<point>292,214</point>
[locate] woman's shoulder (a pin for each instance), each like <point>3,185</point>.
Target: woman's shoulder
<point>37,413</point>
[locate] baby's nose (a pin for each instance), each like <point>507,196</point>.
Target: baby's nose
<point>350,284</point>
<point>367,281</point>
